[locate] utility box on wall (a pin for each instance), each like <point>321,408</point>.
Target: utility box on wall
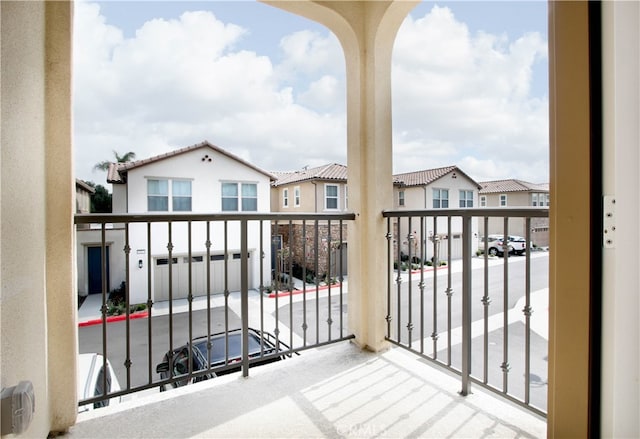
<point>17,406</point>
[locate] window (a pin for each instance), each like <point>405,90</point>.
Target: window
<point>440,198</point>
<point>401,198</point>
<point>330,196</point>
<point>285,197</point>
<point>100,390</point>
<point>249,197</point>
<point>466,198</point>
<point>239,197</point>
<point>296,196</point>
<point>540,199</point>
<point>181,195</point>
<point>503,200</point>
<point>483,201</point>
<point>157,195</point>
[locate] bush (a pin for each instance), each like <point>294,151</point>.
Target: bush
<point>117,302</point>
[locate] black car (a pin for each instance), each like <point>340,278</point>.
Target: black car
<point>261,345</point>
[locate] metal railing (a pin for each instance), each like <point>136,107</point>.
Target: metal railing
<point>444,284</point>
<point>208,275</point>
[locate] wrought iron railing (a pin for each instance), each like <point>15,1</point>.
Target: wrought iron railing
<point>209,275</point>
<point>451,302</point>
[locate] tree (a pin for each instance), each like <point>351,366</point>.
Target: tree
<point>104,165</point>
<point>100,199</point>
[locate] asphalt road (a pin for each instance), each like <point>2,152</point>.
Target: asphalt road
<point>317,321</point>
<point>142,370</point>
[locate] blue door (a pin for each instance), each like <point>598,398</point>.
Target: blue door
<point>94,258</point>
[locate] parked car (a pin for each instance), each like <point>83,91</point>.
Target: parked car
<point>91,382</point>
<point>260,344</point>
<point>495,245</point>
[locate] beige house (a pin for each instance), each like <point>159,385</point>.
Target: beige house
<point>516,193</point>
<point>311,190</point>
<point>83,196</point>
<point>322,189</point>
<point>441,188</point>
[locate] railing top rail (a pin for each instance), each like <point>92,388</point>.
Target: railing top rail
<point>93,218</point>
<point>531,212</point>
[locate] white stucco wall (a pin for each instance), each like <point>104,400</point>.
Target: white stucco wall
<point>207,178</point>
<point>621,161</point>
<point>421,197</point>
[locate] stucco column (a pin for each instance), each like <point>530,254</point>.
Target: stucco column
<point>366,30</point>
<point>61,289</point>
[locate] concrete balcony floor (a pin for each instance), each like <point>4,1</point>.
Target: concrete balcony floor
<point>333,391</point>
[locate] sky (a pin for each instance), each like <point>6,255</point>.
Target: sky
<point>469,86</point>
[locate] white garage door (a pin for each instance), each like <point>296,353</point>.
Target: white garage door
<point>180,276</point>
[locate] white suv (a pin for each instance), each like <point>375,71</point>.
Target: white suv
<point>495,245</point>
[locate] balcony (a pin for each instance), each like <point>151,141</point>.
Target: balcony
<point>441,345</point>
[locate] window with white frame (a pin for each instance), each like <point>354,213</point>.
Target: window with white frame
<point>296,196</point>
<point>466,198</point>
<point>157,195</point>
<point>400,198</point>
<point>181,195</point>
<point>483,201</point>
<point>160,190</point>
<point>503,200</point>
<point>239,197</point>
<point>440,198</point>
<point>331,196</point>
<point>285,197</point>
<point>539,199</point>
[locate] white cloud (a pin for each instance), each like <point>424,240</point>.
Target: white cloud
<point>466,100</point>
<point>457,98</point>
<point>178,82</point>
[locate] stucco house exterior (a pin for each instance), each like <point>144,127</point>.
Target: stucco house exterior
<point>202,178</point>
<point>83,196</point>
<point>516,193</point>
<point>321,189</point>
<point>440,188</point>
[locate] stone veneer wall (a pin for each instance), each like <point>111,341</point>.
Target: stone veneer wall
<point>302,242</point>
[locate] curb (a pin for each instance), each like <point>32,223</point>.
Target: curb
<point>308,290</point>
<point>120,318</point>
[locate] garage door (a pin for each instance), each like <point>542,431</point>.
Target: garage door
<point>180,275</point>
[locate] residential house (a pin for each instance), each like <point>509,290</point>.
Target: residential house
<point>440,188</point>
<point>201,178</point>
<point>516,193</point>
<point>594,356</point>
<point>83,196</point>
<point>322,189</point>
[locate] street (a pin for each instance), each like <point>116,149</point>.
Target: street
<point>309,323</point>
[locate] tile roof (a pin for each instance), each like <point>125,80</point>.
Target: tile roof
<point>511,185</point>
<point>85,186</point>
<point>332,171</point>
<point>116,173</point>
<point>426,176</point>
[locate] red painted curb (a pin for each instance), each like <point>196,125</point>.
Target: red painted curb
<point>308,290</point>
<point>138,315</point>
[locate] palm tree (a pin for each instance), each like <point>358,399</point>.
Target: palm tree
<point>104,166</point>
